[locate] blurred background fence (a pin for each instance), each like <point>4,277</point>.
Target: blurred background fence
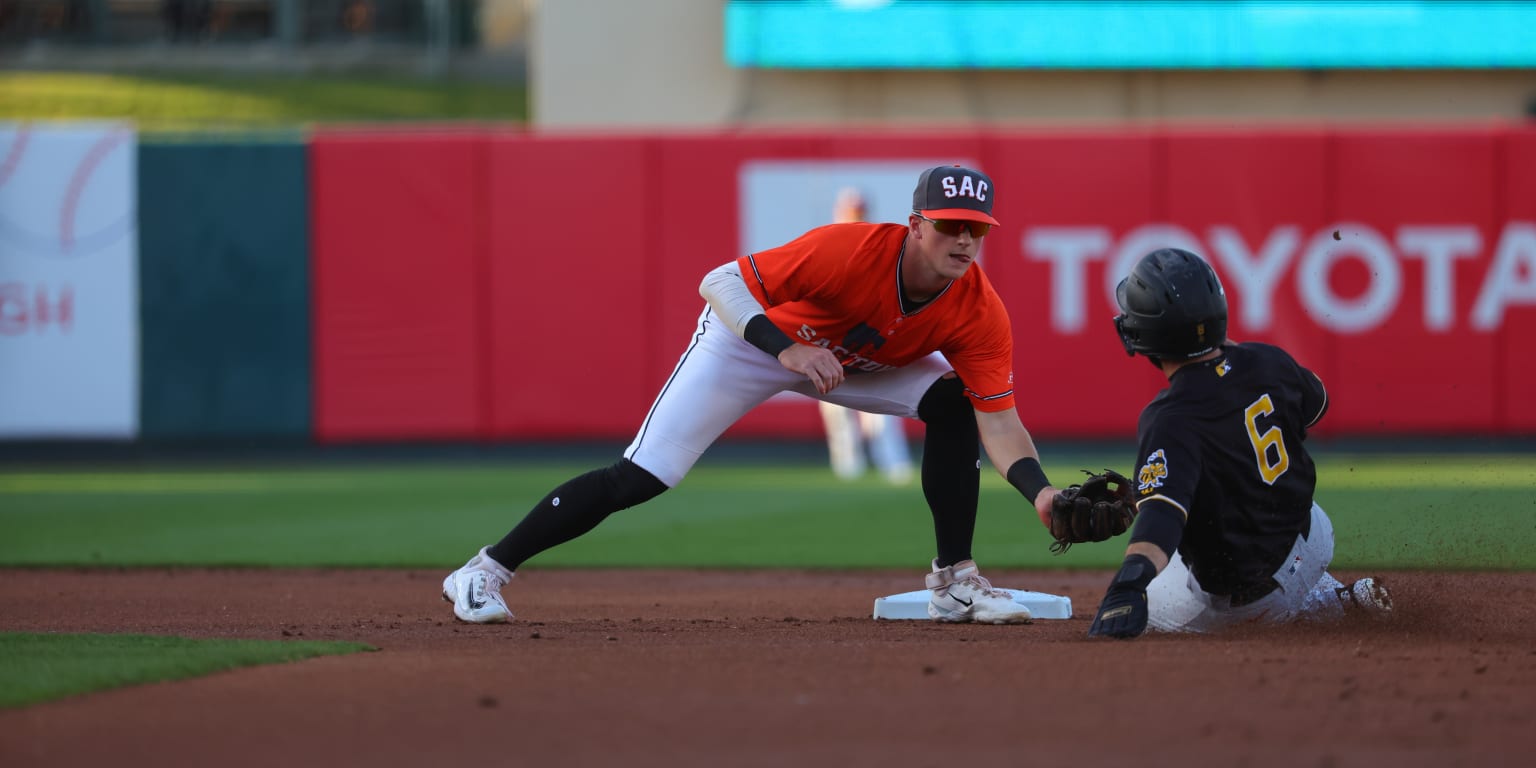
<point>293,23</point>
<point>453,221</point>
<point>421,36</point>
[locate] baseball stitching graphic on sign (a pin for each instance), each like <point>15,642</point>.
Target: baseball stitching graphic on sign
<point>48,204</point>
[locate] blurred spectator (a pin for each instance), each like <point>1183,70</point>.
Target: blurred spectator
<point>55,20</point>
<point>850,432</point>
<point>186,19</point>
<point>357,17</point>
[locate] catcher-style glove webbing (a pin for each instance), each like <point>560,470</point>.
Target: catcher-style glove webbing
<point>1103,507</point>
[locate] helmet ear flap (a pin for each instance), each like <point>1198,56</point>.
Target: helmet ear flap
<point>1127,336</point>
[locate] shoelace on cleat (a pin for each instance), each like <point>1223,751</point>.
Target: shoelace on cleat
<point>489,589</point>
<point>980,584</point>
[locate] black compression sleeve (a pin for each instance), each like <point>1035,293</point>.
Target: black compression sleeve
<point>763,334</point>
<point>1027,476</point>
<point>1159,522</point>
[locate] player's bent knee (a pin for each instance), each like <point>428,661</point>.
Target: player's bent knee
<point>627,484</point>
<point>945,402</point>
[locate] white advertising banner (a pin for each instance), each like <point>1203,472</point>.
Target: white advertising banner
<point>69,332</point>
<point>781,199</point>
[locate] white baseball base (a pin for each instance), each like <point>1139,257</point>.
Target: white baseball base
<point>914,605</point>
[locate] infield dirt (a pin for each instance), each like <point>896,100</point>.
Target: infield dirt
<point>771,668</point>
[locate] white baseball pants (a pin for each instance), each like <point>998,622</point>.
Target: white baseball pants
<point>721,377</point>
<point>1176,603</point>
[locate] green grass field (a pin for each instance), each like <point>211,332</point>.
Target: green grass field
<point>190,102</point>
<point>1392,511</point>
<point>46,667</point>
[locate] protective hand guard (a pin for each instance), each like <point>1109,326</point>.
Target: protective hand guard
<point>1103,507</point>
<point>1123,613</point>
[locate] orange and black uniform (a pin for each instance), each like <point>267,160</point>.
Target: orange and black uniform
<point>855,306</point>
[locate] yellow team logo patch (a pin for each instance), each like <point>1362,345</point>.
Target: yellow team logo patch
<point>1152,473</point>
<point>1223,368</point>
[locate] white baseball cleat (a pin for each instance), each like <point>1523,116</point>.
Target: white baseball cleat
<point>1367,596</point>
<point>961,594</point>
<point>475,590</point>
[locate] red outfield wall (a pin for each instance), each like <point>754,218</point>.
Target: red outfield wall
<point>481,284</point>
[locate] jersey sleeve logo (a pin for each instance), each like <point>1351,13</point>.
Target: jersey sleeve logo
<point>1223,368</point>
<point>1152,473</point>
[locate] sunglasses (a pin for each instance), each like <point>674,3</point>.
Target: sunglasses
<point>953,227</point>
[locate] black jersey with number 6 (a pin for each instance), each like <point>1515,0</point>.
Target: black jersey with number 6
<point>1224,443</point>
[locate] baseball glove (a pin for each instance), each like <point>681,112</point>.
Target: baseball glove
<point>1103,507</point>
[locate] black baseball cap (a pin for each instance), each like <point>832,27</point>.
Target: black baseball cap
<point>954,192</point>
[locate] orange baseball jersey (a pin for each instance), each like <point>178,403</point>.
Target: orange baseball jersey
<point>838,287</point>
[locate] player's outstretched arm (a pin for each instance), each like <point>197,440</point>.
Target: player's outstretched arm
<point>1012,451</point>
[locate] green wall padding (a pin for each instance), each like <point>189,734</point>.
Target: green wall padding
<point>224,290</point>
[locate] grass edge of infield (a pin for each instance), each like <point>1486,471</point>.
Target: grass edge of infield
<point>44,667</point>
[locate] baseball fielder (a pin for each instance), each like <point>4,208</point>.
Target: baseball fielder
<point>1226,531</point>
<point>882,318</point>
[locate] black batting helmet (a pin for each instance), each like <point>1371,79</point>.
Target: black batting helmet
<point>1172,306</point>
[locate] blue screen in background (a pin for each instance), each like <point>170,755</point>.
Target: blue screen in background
<point>1037,34</point>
